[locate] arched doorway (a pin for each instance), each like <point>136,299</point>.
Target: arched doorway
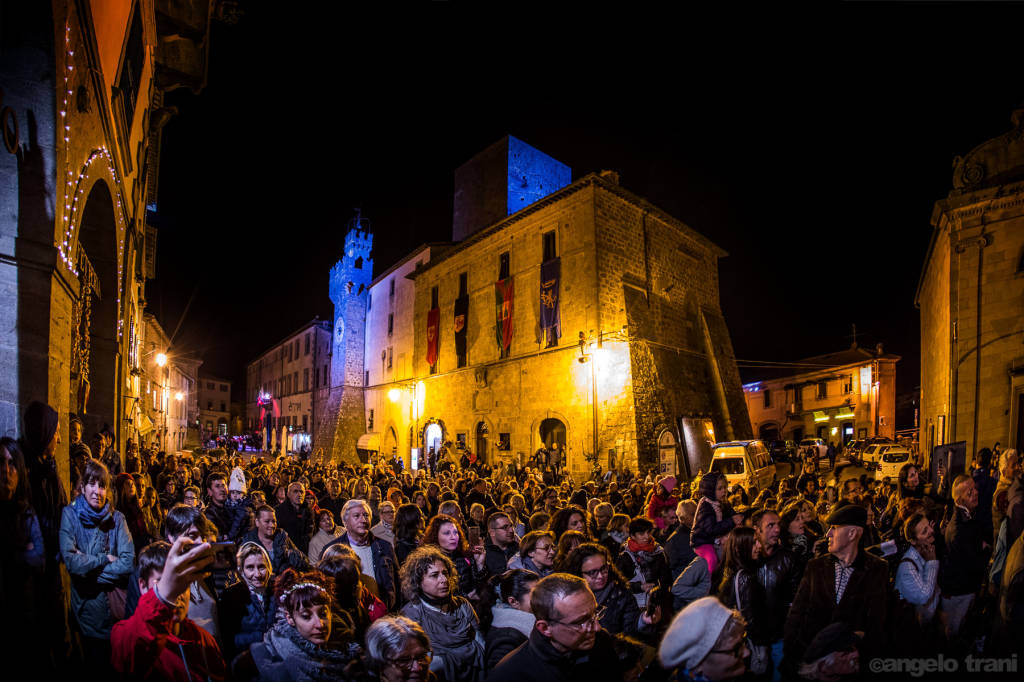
<point>482,437</point>
<point>433,437</point>
<point>98,384</point>
<point>389,448</point>
<point>552,431</point>
<point>768,431</point>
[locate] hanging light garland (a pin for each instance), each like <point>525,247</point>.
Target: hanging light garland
<point>75,187</point>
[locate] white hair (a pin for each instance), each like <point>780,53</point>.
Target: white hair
<point>352,503</point>
<point>1004,460</point>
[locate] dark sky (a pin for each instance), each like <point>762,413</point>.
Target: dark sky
<point>813,157</point>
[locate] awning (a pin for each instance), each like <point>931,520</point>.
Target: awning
<point>369,441</point>
<point>145,424</point>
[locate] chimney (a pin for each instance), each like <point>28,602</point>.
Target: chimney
<point>878,348</point>
<point>611,176</point>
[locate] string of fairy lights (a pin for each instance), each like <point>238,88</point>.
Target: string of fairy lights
<point>75,186</point>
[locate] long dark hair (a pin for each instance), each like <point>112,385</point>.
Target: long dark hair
<point>559,523</point>
<point>434,528</point>
<point>515,582</point>
<point>574,562</point>
<point>407,522</point>
<point>739,553</point>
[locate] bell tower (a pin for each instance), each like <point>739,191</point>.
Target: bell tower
<point>348,289</point>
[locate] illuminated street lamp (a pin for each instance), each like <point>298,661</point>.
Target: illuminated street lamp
<point>161,359</point>
<point>179,396</point>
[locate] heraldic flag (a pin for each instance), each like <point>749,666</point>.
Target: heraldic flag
<point>550,314</point>
<point>461,321</point>
<point>503,299</point>
<point>433,322</point>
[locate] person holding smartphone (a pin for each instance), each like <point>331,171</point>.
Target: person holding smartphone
<point>450,536</point>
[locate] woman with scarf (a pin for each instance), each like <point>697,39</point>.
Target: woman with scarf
<point>429,582</point>
<point>247,608</point>
<point>536,553</point>
<point>300,646</point>
<point>97,548</point>
<point>643,562</point>
<point>446,533</point>
<point>511,618</point>
<point>621,614</point>
<point>713,520</point>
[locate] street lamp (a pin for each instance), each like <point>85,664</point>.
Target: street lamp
<point>161,359</point>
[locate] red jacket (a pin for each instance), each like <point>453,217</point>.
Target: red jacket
<point>144,646</point>
<point>657,504</point>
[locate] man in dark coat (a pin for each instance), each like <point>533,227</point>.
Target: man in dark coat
<point>377,556</point>
<point>294,516</point>
<point>966,556</point>
<point>567,642</point>
<point>846,585</point>
<point>501,543</point>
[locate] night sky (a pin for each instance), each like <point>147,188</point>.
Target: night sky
<point>814,160</point>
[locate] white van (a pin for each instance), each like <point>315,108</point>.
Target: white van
<point>744,461</point>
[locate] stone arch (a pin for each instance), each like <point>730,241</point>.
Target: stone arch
<point>768,431</point>
<point>668,450</point>
<point>99,261</point>
<point>389,440</point>
<point>535,441</point>
<point>482,442</point>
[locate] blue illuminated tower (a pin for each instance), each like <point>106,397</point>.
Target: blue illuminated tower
<point>349,287</point>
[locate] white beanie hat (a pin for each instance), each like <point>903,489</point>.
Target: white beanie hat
<point>693,633</point>
<point>237,480</point>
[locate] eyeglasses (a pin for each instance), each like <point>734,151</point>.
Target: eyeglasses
<point>546,548</point>
<point>601,570</point>
<point>406,662</point>
<point>591,623</point>
<point>505,527</point>
<point>736,651</point>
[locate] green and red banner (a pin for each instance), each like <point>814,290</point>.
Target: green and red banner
<point>503,308</point>
<point>433,326</point>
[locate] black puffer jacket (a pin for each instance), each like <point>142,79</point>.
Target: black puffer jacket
<point>705,526</point>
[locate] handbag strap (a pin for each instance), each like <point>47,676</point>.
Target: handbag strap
<point>736,586</point>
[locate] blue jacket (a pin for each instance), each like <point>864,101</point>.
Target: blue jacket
<point>385,567</point>
<point>93,576</point>
<point>243,619</point>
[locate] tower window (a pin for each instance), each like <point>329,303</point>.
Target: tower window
<point>549,246</point>
<point>433,297</point>
<point>463,283</point>
<point>503,266</point>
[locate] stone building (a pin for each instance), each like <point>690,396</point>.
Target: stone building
<point>836,397</point>
<point>971,298</point>
<point>629,363</point>
<point>214,407</point>
<point>168,409</point>
<point>292,374</point>
<point>82,86</point>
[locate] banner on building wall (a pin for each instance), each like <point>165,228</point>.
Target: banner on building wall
<point>503,306</point>
<point>433,322</point>
<point>461,321</point>
<point>550,313</point>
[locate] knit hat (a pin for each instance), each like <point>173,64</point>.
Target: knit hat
<point>40,425</point>
<point>237,481</point>
<point>668,483</point>
<point>693,633</point>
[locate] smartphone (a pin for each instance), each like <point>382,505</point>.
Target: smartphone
<point>224,556</point>
<point>474,536</point>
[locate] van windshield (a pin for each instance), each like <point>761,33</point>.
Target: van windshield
<point>729,465</point>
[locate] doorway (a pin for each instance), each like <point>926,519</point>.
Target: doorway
<point>433,436</point>
<point>482,434</point>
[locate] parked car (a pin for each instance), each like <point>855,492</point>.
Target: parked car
<point>893,459</point>
<point>873,453</point>
<point>782,450</point>
<point>746,462</point>
<point>817,443</point>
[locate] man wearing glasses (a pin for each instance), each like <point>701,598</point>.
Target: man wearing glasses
<point>501,543</point>
<point>567,642</point>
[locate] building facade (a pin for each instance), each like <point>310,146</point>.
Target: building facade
<point>83,85</point>
<point>168,409</point>
<point>837,397</point>
<point>214,407</point>
<point>571,313</point>
<point>971,298</point>
<point>291,375</point>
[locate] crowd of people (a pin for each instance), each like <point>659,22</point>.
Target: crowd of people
<point>210,565</point>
